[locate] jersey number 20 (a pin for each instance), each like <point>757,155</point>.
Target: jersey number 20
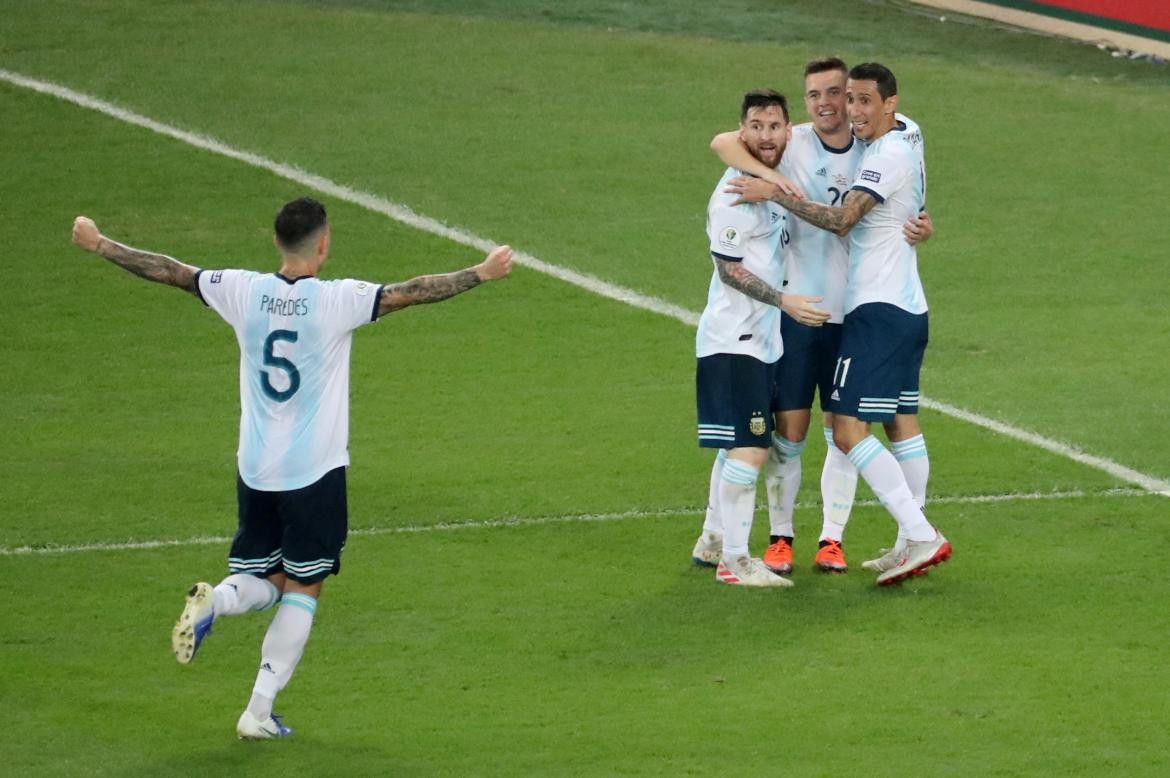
<point>270,359</point>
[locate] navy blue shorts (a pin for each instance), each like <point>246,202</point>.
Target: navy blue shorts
<point>810,356</point>
<point>736,397</point>
<point>299,533</point>
<point>876,375</point>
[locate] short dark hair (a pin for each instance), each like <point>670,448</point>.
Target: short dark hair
<point>298,220</point>
<point>824,65</point>
<point>871,71</point>
<point>762,98</point>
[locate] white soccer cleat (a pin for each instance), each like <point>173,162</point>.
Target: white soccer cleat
<point>194,622</point>
<point>888,559</point>
<point>708,549</point>
<point>251,728</point>
<point>917,556</point>
<point>747,571</point>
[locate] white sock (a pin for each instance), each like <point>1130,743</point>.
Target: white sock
<point>712,523</point>
<point>241,593</point>
<point>838,489</point>
<point>737,506</point>
<point>782,482</point>
<point>915,463</point>
<point>880,470</point>
<point>283,646</point>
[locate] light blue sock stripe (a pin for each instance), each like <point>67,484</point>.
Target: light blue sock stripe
<point>736,472</point>
<point>722,456</point>
<point>828,435</point>
<point>302,601</point>
<point>917,440</point>
<point>790,449</point>
<point>910,449</point>
<point>273,595</point>
<point>864,452</point>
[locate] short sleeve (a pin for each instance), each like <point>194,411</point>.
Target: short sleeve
<point>353,303</point>
<point>224,292</point>
<point>882,173</point>
<point>729,227</point>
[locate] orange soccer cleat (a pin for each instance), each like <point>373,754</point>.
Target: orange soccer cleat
<point>831,557</point>
<point>778,557</point>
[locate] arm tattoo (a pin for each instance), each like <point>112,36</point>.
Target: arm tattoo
<point>426,289</point>
<point>735,275</point>
<point>838,220</point>
<point>153,267</point>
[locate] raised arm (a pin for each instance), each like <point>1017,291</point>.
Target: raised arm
<point>144,264</point>
<point>834,219</point>
<point>733,153</point>
<point>433,288</point>
<point>799,307</point>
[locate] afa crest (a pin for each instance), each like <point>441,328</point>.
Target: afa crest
<point>757,426</point>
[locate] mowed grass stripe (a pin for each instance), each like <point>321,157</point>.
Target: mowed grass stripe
<point>522,521</point>
<point>406,215</point>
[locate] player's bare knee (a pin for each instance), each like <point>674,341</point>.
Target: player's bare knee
<point>792,425</point>
<point>749,455</point>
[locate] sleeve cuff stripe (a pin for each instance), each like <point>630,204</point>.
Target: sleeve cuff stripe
<point>198,291</point>
<point>870,192</point>
<point>377,302</point>
<point>725,257</point>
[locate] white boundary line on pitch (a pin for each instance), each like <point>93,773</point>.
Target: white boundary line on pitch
<point>520,521</point>
<point>405,215</point>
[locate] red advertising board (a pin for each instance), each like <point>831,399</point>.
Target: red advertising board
<point>1151,14</point>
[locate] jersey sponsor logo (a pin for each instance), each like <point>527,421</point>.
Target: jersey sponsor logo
<point>216,277</point>
<point>729,238</point>
<point>757,426</point>
<point>775,216</point>
<point>835,396</point>
<point>842,181</point>
<point>871,175</point>
<point>823,173</point>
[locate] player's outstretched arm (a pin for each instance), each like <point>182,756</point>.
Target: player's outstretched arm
<point>153,267</point>
<point>798,306</point>
<point>918,229</point>
<point>432,289</point>
<point>731,152</point>
<point>839,220</point>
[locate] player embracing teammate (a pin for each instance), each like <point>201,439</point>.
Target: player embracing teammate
<point>865,183</point>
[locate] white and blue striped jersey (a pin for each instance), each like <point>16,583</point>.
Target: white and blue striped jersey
<point>817,260</point>
<point>294,337</point>
<point>883,267</point>
<point>754,234</point>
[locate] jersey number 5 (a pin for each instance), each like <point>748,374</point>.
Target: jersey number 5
<point>270,359</point>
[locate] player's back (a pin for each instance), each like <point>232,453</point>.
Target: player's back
<point>294,337</point>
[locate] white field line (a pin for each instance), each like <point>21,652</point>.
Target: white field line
<point>521,521</point>
<point>405,215</point>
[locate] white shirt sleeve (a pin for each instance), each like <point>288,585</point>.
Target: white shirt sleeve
<point>225,291</point>
<point>352,303</point>
<point>881,174</point>
<point>729,228</point>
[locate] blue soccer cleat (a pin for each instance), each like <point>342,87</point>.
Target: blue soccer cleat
<point>194,623</point>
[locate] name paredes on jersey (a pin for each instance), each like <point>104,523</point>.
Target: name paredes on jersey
<point>296,306</point>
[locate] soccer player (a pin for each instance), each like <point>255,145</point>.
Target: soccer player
<point>885,327</point>
<point>822,159</point>
<point>294,331</point>
<point>737,347</point>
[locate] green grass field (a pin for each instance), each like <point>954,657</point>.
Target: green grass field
<point>558,627</point>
